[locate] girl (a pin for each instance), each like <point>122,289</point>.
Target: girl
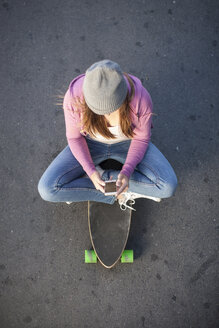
<point>108,114</point>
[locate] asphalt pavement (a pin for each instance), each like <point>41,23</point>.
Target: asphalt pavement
<point>172,46</point>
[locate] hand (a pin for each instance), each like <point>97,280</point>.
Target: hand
<point>122,184</point>
<point>97,181</point>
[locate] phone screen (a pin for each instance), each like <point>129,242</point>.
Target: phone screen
<point>110,187</point>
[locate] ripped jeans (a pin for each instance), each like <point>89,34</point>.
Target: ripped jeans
<point>66,181</point>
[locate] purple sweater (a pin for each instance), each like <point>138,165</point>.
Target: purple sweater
<point>141,117</point>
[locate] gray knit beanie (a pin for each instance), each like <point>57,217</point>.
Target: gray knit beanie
<point>104,87</point>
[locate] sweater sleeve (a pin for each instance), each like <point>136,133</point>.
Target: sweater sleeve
<point>140,141</point>
<point>76,140</point>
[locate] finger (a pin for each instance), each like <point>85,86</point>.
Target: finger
<point>118,182</point>
<point>120,190</point>
<point>101,189</point>
<point>101,182</point>
<point>118,193</point>
<point>124,190</point>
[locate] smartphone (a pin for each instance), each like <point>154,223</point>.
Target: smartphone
<point>110,187</point>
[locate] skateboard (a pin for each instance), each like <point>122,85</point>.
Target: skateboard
<point>109,230</point>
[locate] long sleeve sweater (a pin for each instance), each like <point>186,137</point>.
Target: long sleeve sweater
<point>141,120</point>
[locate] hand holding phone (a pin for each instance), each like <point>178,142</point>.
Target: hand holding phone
<point>122,184</point>
<point>97,181</point>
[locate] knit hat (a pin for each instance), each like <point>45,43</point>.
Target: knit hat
<point>104,87</point>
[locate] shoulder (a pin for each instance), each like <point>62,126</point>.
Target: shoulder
<point>74,91</point>
<point>146,104</point>
<point>75,86</point>
<point>141,103</point>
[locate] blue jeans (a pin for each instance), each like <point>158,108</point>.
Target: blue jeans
<point>64,180</point>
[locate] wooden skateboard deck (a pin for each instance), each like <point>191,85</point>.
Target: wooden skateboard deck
<point>109,229</point>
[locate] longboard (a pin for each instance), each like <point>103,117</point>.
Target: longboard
<point>109,229</point>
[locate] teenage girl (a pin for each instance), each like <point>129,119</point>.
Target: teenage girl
<point>108,115</point>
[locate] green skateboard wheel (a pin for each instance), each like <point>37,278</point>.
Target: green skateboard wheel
<point>127,256</point>
<point>90,256</point>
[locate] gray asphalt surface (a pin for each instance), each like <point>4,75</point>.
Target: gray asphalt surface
<point>172,46</point>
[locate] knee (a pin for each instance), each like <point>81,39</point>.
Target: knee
<point>170,187</point>
<point>45,191</point>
